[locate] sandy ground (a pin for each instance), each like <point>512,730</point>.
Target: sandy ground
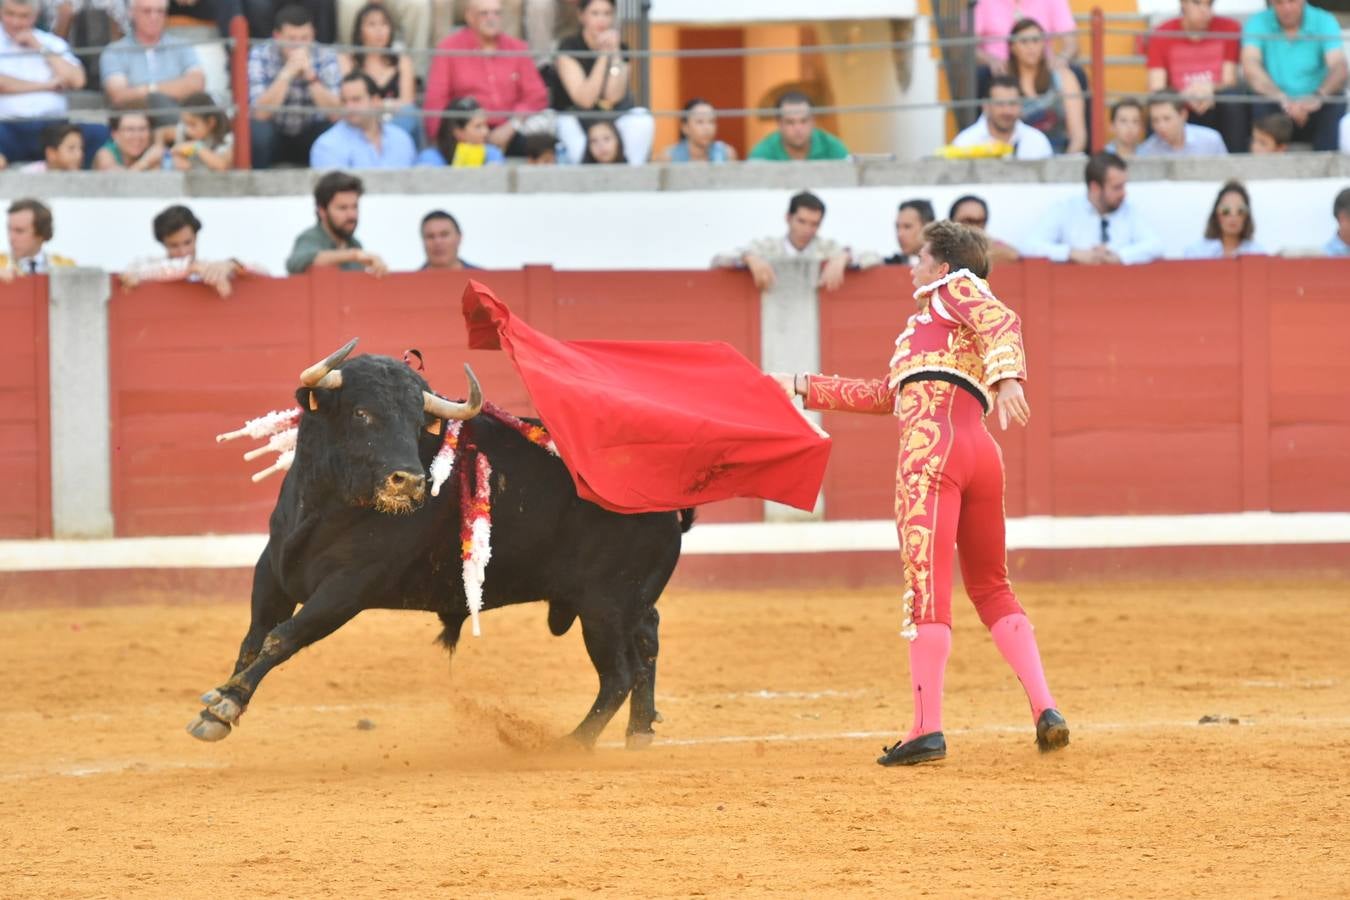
<point>762,780</point>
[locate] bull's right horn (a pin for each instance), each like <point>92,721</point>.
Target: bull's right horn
<point>322,374</point>
<point>449,409</point>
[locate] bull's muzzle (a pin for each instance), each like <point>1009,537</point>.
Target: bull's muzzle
<point>401,493</point>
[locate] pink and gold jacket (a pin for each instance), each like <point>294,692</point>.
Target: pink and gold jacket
<point>962,331</point>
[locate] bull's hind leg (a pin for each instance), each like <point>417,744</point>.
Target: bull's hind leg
<point>644,643</point>
<point>331,607</point>
<point>607,642</point>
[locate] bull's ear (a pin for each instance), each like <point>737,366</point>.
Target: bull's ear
<point>311,399</point>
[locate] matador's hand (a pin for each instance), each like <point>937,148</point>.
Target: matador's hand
<point>1011,403</point>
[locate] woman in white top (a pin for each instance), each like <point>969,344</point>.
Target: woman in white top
<point>1230,228</point>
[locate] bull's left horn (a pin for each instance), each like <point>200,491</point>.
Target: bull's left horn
<point>321,374</point>
<point>449,409</point>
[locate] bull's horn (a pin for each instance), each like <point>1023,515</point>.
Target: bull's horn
<point>449,409</point>
<point>321,374</point>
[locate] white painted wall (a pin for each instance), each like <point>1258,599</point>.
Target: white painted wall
<point>656,230</point>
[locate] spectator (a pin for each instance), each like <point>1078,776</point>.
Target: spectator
<point>805,213</point>
<point>994,20</point>
<point>176,229</point>
<point>390,69</point>
<point>441,238</point>
<point>149,68</point>
<point>909,222</point>
<point>362,140</point>
<point>204,139</point>
<point>1101,227</point>
<point>973,212</point>
<point>133,147</point>
<point>1230,228</point>
<point>604,144</point>
<point>262,17</point>
<point>1196,57</point>
<point>462,142</point>
<point>62,150</point>
<point>1339,244</point>
<point>1292,55</point>
<point>412,19</point>
<point>36,69</point>
<point>287,79</point>
<point>219,12</point>
<point>698,137</point>
<point>331,241</point>
<point>541,150</point>
<point>540,22</point>
<point>1272,133</point>
<point>1174,136</point>
<point>1001,122</point>
<point>508,87</point>
<point>597,87</point>
<point>797,136</point>
<point>30,228</point>
<point>1052,94</point>
<point>1127,124</point>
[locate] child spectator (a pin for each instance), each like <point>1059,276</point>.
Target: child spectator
<point>462,142</point>
<point>604,145</point>
<point>62,150</point>
<point>698,141</point>
<point>204,137</point>
<point>1127,124</point>
<point>1272,133</point>
<point>131,147</point>
<point>541,149</point>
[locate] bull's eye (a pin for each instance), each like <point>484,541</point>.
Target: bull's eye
<point>362,415</point>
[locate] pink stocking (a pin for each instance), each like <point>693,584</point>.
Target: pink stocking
<point>1016,640</point>
<point>927,662</point>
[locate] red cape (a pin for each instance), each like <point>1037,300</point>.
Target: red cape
<point>648,426</point>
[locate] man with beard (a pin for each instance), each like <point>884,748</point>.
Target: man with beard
<point>332,240</point>
<point>1101,227</point>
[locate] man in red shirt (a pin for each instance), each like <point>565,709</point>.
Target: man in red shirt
<point>1196,56</point>
<point>508,87</point>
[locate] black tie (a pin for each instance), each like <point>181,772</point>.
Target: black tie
<point>1106,231</point>
<point>32,267</point>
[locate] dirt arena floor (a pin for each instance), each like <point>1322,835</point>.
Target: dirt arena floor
<point>762,780</point>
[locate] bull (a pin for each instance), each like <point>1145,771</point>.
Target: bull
<point>355,528</point>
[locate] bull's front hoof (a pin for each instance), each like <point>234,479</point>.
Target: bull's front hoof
<point>223,706</point>
<point>207,727</point>
<point>639,740</point>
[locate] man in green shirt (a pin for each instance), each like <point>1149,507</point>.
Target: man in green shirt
<point>797,136</point>
<point>332,240</point>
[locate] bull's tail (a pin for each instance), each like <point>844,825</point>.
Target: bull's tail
<point>686,519</point>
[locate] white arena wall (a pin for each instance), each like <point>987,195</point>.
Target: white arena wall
<point>658,218</point>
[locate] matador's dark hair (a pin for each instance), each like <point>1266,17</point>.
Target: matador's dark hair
<point>959,246</point>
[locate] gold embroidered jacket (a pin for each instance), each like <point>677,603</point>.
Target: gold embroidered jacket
<point>962,331</point>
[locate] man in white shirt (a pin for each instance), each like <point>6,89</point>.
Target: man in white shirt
<point>1174,136</point>
<point>1100,227</point>
<point>1002,122</point>
<point>805,213</point>
<point>36,69</point>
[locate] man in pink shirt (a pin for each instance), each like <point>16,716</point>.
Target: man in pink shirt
<point>1196,56</point>
<point>994,20</point>
<point>509,87</point>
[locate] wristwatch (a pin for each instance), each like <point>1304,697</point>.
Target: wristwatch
<point>615,69</point>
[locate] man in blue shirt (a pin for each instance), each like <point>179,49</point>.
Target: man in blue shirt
<point>1100,227</point>
<point>150,68</point>
<point>1292,55</point>
<point>1339,245</point>
<point>362,140</point>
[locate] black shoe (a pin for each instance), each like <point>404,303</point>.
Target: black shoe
<point>1052,732</point>
<point>924,748</point>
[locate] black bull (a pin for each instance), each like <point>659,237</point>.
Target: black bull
<point>355,528</point>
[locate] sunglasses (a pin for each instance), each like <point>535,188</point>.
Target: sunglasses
<point>1232,210</point>
<point>972,221</point>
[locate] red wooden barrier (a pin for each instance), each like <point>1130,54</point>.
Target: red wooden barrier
<point>25,436</point>
<point>186,365</point>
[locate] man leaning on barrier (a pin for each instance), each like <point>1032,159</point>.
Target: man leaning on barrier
<point>331,240</point>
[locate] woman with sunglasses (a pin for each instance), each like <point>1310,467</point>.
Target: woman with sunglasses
<point>1230,228</point>
<point>1052,95</point>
